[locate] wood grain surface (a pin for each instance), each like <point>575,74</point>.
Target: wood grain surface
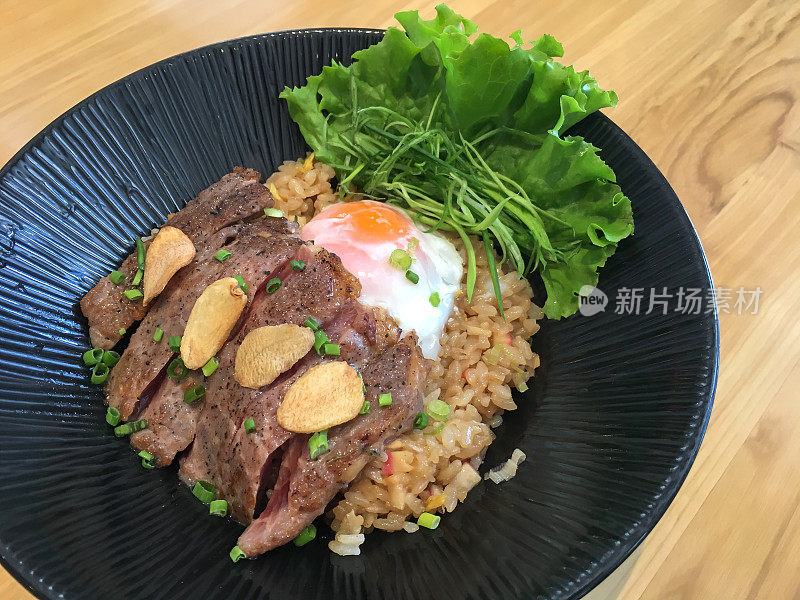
<point>709,89</point>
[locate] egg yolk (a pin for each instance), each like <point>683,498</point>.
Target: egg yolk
<point>370,222</point>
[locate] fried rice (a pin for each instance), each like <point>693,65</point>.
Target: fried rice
<point>482,357</point>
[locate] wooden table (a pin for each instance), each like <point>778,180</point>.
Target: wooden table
<point>710,90</point>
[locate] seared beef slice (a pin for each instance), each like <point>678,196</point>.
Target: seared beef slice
<point>236,197</point>
<point>305,486</point>
<point>243,462</point>
<point>254,253</point>
<point>138,386</point>
<point>223,454</point>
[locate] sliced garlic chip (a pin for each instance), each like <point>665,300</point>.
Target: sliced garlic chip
<point>170,250</point>
<point>210,323</point>
<point>327,395</point>
<point>267,352</point>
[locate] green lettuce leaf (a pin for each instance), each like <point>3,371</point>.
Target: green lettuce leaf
<point>465,131</point>
<point>591,214</point>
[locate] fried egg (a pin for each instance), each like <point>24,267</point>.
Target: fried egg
<point>364,234</point>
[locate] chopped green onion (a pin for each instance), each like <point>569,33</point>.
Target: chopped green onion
<point>437,430</point>
<point>400,259</point>
<point>434,299</point>
<point>193,393</point>
<point>421,421</point>
<point>140,252</point>
<point>438,410</point>
<point>147,459</point>
<point>241,282</point>
<point>177,369</point>
<point>204,491</point>
<point>218,508</point>
<point>129,428</point>
<point>364,408</point>
<point>158,334</point>
<point>522,387</point>
<point>273,285</point>
<point>112,416</point>
<point>318,444</point>
<point>93,356</point>
<point>413,244</point>
<point>273,212</point>
<point>332,349</point>
<point>297,265</point>
<point>116,277</point>
<point>249,425</point>
<point>123,430</point>
<point>137,277</point>
<point>110,358</point>
<point>99,373</point>
<point>222,255</point>
<point>174,343</point>
<point>412,277</point>
<point>236,554</point>
<point>428,520</point>
<point>320,339</point>
<point>210,366</point>
<point>311,324</point>
<point>133,294</point>
<point>308,534</point>
<point>123,331</point>
<point>385,399</point>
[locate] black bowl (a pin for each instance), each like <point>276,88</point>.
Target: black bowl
<point>610,427</point>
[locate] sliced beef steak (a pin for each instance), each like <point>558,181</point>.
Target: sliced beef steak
<point>238,196</point>
<point>243,466</point>
<point>304,486</point>
<point>258,249</point>
<point>242,460</point>
<point>108,310</point>
<point>222,453</point>
<point>171,422</point>
<point>235,198</point>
